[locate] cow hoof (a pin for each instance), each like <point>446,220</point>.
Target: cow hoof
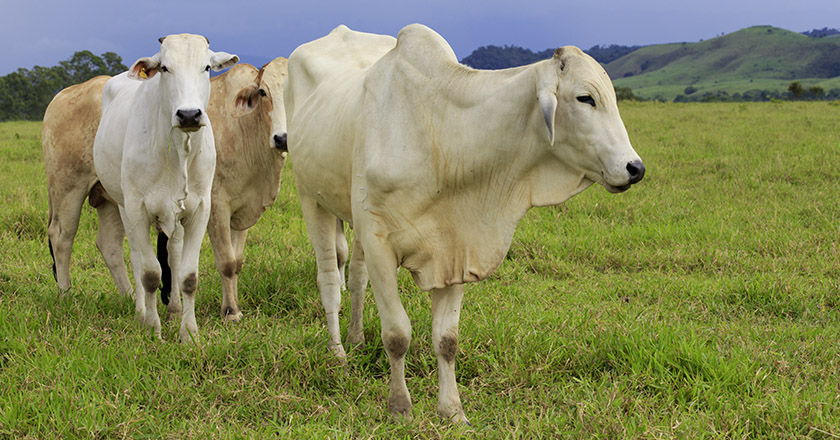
<point>355,339</point>
<point>399,405</point>
<point>232,317</point>
<point>188,337</point>
<point>173,314</point>
<point>338,351</point>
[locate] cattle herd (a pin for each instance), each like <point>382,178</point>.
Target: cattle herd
<point>431,162</point>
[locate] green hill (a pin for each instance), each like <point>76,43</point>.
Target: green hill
<point>760,58</point>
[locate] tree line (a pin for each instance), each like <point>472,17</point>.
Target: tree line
<point>502,57</point>
<point>25,93</point>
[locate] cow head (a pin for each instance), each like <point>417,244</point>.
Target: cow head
<point>578,103</point>
<point>183,70</point>
<point>267,92</point>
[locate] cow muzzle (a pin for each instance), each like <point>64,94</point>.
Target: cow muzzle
<point>636,170</point>
<point>635,173</point>
<point>280,142</point>
<point>189,119</point>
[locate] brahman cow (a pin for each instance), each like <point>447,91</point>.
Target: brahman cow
<point>433,164</point>
<point>246,106</point>
<point>154,155</point>
<point>69,127</point>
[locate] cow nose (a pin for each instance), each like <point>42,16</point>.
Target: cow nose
<point>188,118</point>
<point>636,169</point>
<point>280,142</point>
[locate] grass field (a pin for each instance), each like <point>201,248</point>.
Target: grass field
<point>703,303</point>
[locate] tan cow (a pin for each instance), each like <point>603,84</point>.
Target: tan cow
<point>434,164</point>
<point>246,107</point>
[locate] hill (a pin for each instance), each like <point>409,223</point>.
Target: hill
<point>760,58</point>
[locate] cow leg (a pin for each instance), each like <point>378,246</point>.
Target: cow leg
<point>174,251</point>
<point>188,271</point>
<point>110,243</point>
<point>146,268</point>
<point>341,250</point>
<point>396,327</point>
<point>321,227</point>
<point>224,255</point>
<point>446,310</point>
<point>65,210</point>
<point>238,241</point>
<point>358,285</point>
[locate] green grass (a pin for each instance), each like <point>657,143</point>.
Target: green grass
<point>703,303</point>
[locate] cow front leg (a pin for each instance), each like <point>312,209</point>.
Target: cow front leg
<point>396,327</point>
<point>357,283</point>
<point>193,233</point>
<point>147,272</point>
<point>227,264</point>
<point>230,303</point>
<point>446,311</point>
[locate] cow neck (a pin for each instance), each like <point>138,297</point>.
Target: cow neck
<point>179,154</point>
<point>512,146</point>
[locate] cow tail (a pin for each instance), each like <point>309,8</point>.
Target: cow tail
<point>49,242</point>
<point>165,272</point>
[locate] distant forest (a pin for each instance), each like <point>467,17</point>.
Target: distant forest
<point>495,57</point>
<point>25,94</point>
<point>821,33</point>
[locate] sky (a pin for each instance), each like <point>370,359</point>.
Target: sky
<point>45,32</point>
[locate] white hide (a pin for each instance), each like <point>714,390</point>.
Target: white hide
<point>434,164</point>
<point>155,156</point>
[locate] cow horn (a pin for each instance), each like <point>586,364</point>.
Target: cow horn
<point>161,39</point>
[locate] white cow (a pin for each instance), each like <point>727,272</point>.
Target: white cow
<point>246,106</point>
<point>155,156</point>
<point>434,164</point>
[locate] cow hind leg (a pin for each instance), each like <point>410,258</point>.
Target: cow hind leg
<point>110,243</point>
<point>321,227</point>
<point>357,283</point>
<point>446,310</point>
<point>341,251</point>
<point>169,256</point>
<point>65,210</point>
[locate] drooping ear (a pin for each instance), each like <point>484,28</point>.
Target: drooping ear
<point>222,60</point>
<point>548,106</point>
<point>246,101</point>
<point>145,68</point>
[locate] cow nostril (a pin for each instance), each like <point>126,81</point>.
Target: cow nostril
<point>280,142</point>
<point>636,169</point>
<point>189,118</point>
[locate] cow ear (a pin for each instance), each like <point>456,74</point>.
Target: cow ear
<point>222,60</point>
<point>548,106</point>
<point>246,101</point>
<point>144,68</point>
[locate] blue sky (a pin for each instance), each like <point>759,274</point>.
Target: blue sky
<point>44,32</point>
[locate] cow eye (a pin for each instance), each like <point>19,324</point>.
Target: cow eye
<point>586,99</point>
<point>207,68</point>
<point>262,92</point>
<point>164,69</point>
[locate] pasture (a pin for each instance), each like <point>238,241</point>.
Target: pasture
<point>703,303</point>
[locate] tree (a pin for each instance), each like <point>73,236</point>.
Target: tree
<point>796,90</point>
<point>25,94</point>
